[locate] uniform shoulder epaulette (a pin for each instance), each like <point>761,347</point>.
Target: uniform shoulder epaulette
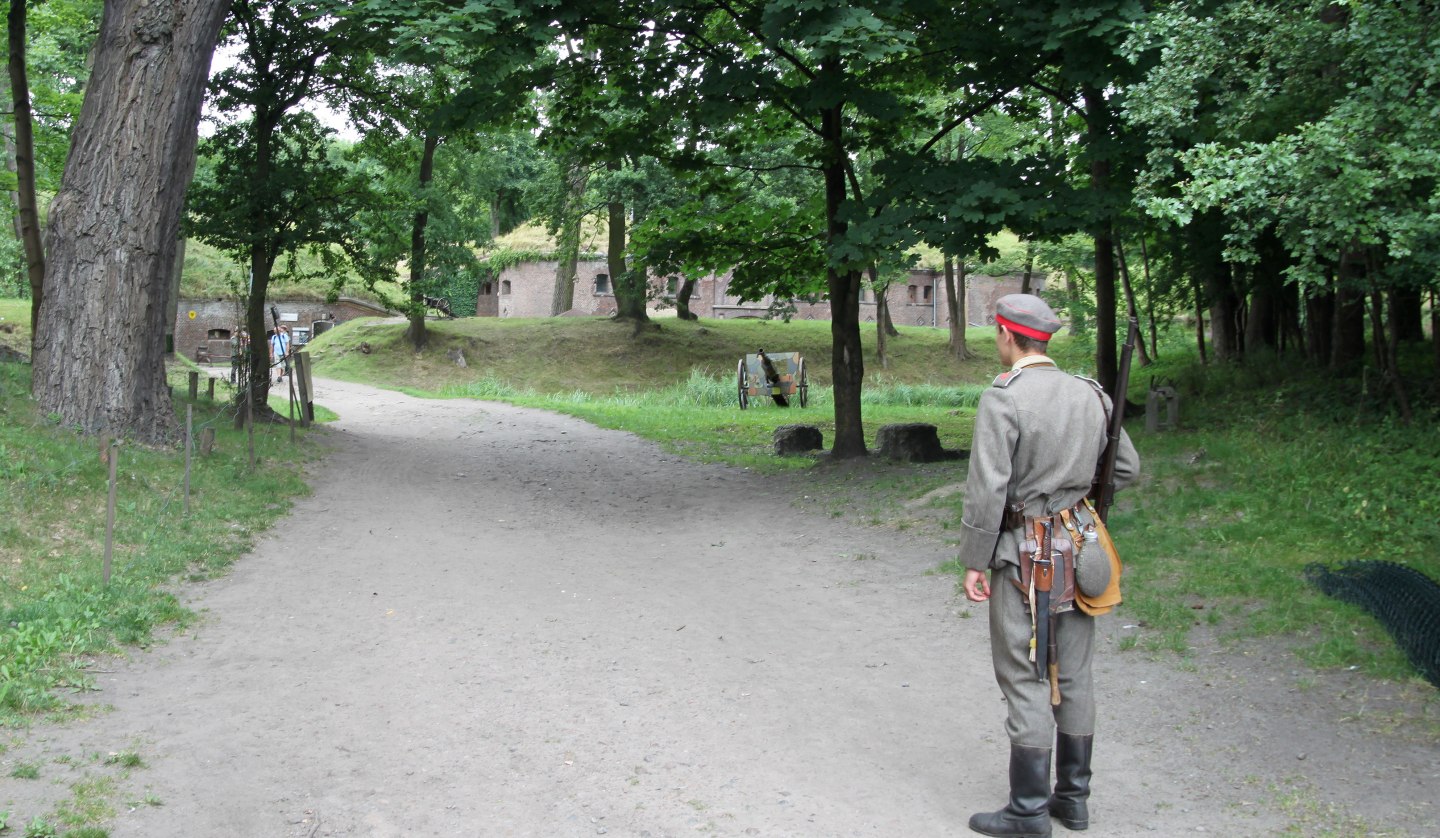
<point>1005,379</point>
<point>1092,382</point>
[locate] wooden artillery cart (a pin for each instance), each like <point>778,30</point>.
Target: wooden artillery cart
<point>779,375</point>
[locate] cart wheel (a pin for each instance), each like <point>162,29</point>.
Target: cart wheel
<point>802,386</point>
<point>740,378</point>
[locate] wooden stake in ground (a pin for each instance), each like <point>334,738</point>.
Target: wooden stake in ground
<point>189,447</point>
<point>250,422</point>
<point>114,457</point>
<point>290,377</point>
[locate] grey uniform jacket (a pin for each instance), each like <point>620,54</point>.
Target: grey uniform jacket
<point>1039,433</point>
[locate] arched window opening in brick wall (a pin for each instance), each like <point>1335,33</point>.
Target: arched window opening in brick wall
<point>504,286</point>
<point>602,283</point>
<point>218,334</point>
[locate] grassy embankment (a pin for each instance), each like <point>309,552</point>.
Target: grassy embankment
<point>1273,469</point>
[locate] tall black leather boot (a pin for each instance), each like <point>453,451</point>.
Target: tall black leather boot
<point>1025,816</point>
<point>1072,780</point>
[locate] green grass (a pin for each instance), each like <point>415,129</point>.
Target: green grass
<point>25,771</point>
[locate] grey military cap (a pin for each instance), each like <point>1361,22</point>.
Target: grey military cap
<point>1028,315</point>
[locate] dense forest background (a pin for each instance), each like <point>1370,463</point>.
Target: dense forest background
<point>1265,174</point>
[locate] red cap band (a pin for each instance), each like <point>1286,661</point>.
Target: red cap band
<point>1034,334</point>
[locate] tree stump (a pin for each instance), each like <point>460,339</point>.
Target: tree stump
<point>797,439</point>
<point>914,443</point>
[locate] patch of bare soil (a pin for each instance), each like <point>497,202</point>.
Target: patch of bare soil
<point>494,621</point>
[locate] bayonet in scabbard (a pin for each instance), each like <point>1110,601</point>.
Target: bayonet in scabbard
<point>1043,574</point>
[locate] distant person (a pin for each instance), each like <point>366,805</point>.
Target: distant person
<point>234,352</point>
<point>280,351</point>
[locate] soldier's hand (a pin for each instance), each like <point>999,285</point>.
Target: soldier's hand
<point>977,587</point>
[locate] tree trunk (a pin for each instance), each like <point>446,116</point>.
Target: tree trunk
<point>1074,296</point>
<point>882,304</point>
<point>886,319</point>
<point>1107,360</point>
<point>1149,297</point>
<point>630,286</point>
<point>1291,336</point>
<point>882,307</point>
<point>1405,319</point>
<point>955,307</point>
<point>1265,318</point>
<point>884,326</point>
<point>1347,343</point>
<point>263,253</point>
<point>99,346</point>
<point>1262,323</point>
<point>847,362</point>
<point>682,300</point>
<point>1205,255</point>
<point>1199,319</point>
<point>1107,363</point>
<point>416,333</point>
<point>1028,277</point>
<point>28,216</point>
<point>1224,315</point>
<point>1320,324</point>
<point>1387,348</point>
<point>576,180</point>
<point>258,373</point>
<point>1209,262</point>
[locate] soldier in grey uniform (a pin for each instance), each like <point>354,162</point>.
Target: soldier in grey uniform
<point>1038,436</point>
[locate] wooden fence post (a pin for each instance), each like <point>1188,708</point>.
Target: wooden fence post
<point>114,457</point>
<point>189,447</point>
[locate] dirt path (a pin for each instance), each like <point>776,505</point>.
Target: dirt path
<point>494,621</point>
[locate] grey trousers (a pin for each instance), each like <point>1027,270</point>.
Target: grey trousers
<point>1032,721</point>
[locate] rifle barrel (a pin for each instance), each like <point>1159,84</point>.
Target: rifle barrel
<point>1104,491</point>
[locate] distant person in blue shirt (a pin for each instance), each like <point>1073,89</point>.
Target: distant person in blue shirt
<point>279,350</point>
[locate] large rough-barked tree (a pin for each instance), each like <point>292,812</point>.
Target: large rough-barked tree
<point>114,225</point>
